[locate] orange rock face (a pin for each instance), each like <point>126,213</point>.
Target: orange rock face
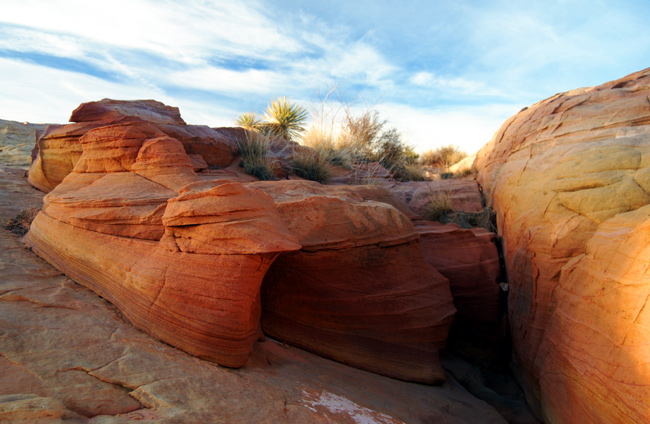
<point>183,258</point>
<point>569,178</point>
<point>359,291</point>
<point>102,224</point>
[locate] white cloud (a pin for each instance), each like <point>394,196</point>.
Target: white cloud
<point>251,81</point>
<point>41,94</point>
<point>468,127</point>
<point>457,85</point>
<point>185,31</point>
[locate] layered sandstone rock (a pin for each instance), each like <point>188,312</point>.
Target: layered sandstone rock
<point>359,291</point>
<point>568,178</point>
<point>183,258</point>
<point>101,226</point>
<point>59,148</point>
<point>17,140</point>
<point>68,356</point>
<point>470,260</point>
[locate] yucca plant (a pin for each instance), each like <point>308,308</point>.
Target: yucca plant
<point>249,121</point>
<point>285,119</point>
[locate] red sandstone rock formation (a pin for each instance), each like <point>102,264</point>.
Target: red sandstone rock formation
<point>359,291</point>
<point>101,225</point>
<point>183,257</point>
<point>569,178</point>
<point>470,260</point>
<point>59,148</point>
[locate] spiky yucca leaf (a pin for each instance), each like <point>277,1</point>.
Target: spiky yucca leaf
<point>249,121</point>
<point>285,119</point>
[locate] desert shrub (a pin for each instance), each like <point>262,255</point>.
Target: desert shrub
<point>443,156</point>
<point>312,166</point>
<point>409,173</point>
<point>249,121</point>
<point>362,135</point>
<point>463,173</point>
<point>446,175</point>
<point>19,224</point>
<point>323,141</point>
<point>254,153</point>
<point>484,219</point>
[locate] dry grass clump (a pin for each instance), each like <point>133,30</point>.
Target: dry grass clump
<point>312,166</point>
<point>254,153</point>
<point>19,224</point>
<point>443,156</point>
<point>441,209</point>
<point>328,145</point>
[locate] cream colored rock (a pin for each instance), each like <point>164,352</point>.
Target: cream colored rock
<point>568,178</point>
<point>17,140</point>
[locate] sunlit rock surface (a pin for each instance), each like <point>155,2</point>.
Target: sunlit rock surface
<point>569,178</point>
<point>183,257</point>
<point>101,227</point>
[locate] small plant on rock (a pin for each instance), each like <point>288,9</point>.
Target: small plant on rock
<point>254,153</point>
<point>312,166</point>
<point>19,224</point>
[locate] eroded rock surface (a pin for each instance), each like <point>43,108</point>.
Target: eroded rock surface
<point>569,178</point>
<point>359,291</point>
<point>67,355</point>
<point>17,141</point>
<point>183,257</point>
<point>101,227</point>
<point>464,195</point>
<point>59,148</point>
<point>470,260</point>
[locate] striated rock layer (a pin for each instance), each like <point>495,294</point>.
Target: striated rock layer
<point>470,260</point>
<point>569,178</point>
<point>102,224</point>
<point>359,291</point>
<point>59,148</point>
<point>66,355</point>
<point>183,258</point>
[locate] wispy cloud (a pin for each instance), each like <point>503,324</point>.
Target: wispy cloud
<point>217,58</point>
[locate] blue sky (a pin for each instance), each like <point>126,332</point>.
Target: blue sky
<point>440,71</point>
